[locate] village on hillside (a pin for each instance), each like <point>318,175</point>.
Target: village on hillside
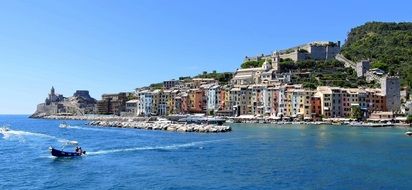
<point>269,90</point>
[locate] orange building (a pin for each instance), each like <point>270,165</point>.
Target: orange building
<point>316,104</point>
<point>196,103</point>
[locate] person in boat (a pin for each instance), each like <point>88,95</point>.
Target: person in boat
<point>77,149</point>
<point>80,151</point>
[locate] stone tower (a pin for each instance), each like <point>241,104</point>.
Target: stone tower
<point>275,60</point>
<point>390,87</point>
<point>52,92</point>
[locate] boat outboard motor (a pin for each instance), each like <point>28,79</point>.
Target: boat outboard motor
<point>84,152</point>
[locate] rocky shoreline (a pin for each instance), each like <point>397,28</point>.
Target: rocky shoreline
<point>143,123</point>
<point>201,128</point>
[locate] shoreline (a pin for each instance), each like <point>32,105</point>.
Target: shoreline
<point>132,121</point>
<point>349,124</point>
<point>200,128</point>
<point>143,123</point>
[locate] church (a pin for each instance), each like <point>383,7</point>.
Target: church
<point>53,97</point>
<point>267,74</point>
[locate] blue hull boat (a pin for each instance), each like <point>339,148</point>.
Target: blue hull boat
<point>60,153</point>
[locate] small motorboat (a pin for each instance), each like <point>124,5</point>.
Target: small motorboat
<point>4,130</point>
<point>61,153</point>
<point>63,125</point>
<point>408,133</point>
<point>65,154</point>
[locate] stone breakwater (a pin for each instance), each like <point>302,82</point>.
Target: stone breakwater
<point>143,123</point>
<point>201,128</point>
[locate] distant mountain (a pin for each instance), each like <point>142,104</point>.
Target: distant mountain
<point>387,45</point>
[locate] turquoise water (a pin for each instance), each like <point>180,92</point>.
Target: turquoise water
<point>249,157</point>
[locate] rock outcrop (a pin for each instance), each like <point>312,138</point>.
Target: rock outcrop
<point>79,104</point>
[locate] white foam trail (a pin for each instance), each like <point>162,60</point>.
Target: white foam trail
<point>11,133</point>
<point>168,147</point>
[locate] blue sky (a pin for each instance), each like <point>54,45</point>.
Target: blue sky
<point>112,46</point>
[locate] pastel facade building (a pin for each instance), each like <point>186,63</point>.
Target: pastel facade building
<point>196,101</point>
<point>337,102</point>
<point>307,103</point>
<point>325,94</point>
<point>256,105</point>
<point>213,97</point>
<point>316,107</point>
<point>145,103</point>
<point>239,99</point>
<point>174,102</point>
<point>280,98</point>
<point>185,103</point>
<point>224,99</point>
<point>170,83</point>
<point>163,106</point>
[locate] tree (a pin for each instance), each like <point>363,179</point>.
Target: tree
<point>309,85</point>
<point>252,64</point>
<point>409,119</point>
<point>380,65</point>
<point>356,112</point>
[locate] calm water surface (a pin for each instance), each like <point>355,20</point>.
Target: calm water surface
<point>250,157</point>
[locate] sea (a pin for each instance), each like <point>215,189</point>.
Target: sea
<point>252,156</point>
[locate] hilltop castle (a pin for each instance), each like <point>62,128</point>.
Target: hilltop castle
<point>318,50</point>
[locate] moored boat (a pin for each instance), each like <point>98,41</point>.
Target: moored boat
<point>408,133</point>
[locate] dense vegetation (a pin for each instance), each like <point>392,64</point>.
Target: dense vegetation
<point>223,78</point>
<point>313,73</point>
<point>387,45</point>
<point>156,85</point>
<point>252,64</point>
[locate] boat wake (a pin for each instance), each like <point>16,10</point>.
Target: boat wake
<point>9,134</point>
<point>167,147</point>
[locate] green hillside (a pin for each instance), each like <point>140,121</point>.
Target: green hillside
<point>387,45</point>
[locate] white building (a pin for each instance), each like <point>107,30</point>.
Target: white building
<point>212,93</point>
<point>145,103</point>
